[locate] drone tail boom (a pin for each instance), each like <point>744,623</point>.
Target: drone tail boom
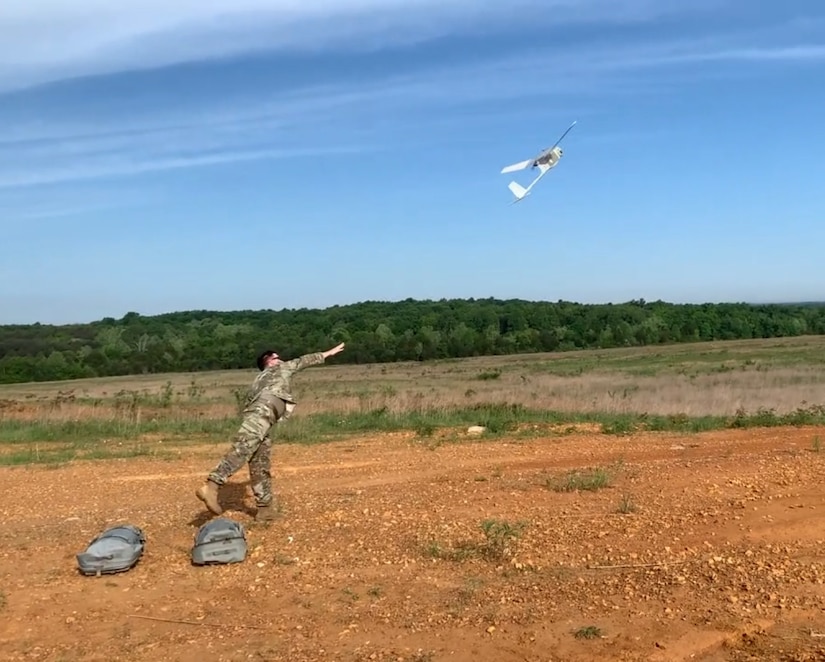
<point>519,191</point>
<point>517,166</point>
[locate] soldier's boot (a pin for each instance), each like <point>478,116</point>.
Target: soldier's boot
<point>208,493</point>
<point>267,513</point>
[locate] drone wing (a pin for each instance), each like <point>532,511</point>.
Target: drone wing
<point>517,166</point>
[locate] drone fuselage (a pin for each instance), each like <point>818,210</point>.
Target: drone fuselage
<point>549,157</point>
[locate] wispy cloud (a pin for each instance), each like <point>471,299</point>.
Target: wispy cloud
<point>50,40</point>
<point>55,150</point>
<point>799,53</point>
<point>345,117</point>
<point>316,122</point>
<point>23,215</point>
<point>136,163</point>
<point>57,211</point>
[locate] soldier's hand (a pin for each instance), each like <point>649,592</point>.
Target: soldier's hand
<point>335,350</point>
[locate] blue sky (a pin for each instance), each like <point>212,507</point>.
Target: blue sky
<point>161,156</point>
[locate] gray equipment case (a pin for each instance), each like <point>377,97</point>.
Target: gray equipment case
<point>220,540</point>
<point>116,549</point>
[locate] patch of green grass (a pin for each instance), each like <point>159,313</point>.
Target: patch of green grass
<point>488,375</point>
<point>684,359</point>
<point>812,415</point>
<point>98,429</point>
<point>498,543</point>
<point>588,632</point>
<point>56,456</point>
<point>497,418</point>
<point>470,588</point>
<point>93,437</point>
<point>499,536</point>
<point>284,559</point>
<point>460,552</point>
<point>580,480</point>
<point>425,430</point>
<point>626,505</point>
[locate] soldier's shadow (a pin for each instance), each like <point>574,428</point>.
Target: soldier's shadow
<point>231,497</point>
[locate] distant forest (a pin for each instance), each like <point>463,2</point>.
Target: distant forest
<point>408,330</point>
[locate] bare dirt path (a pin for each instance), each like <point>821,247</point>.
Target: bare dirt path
<point>702,547</point>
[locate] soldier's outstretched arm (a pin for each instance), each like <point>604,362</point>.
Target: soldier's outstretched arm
<point>314,358</point>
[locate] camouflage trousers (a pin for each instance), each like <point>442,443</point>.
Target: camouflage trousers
<point>252,445</point>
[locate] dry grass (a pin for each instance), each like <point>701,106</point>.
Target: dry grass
<point>710,379</point>
<point>682,388</point>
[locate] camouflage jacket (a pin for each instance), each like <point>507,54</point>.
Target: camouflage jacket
<point>276,382</point>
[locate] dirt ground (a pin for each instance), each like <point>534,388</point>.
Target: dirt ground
<point>705,547</point>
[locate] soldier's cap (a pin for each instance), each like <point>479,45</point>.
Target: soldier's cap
<point>263,356</point>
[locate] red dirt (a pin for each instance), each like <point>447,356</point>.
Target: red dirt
<point>735,520</point>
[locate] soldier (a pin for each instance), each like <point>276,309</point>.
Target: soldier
<point>268,401</point>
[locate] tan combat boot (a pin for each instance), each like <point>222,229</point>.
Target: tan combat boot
<point>208,493</point>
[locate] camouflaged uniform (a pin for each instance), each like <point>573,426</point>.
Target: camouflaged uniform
<point>268,401</point>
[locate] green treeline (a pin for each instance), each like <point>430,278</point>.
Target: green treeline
<point>378,332</point>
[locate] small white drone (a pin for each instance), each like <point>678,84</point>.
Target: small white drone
<point>545,161</point>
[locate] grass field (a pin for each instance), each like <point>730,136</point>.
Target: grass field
<point>688,387</point>
<point>644,505</point>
